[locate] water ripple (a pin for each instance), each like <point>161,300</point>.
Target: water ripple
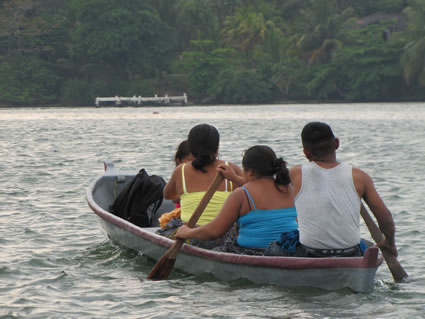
<point>56,262</point>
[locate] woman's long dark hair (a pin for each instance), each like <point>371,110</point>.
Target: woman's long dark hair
<point>203,144</point>
<point>264,163</point>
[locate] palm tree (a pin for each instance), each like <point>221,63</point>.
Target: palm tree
<point>413,58</point>
<point>196,21</point>
<point>322,29</point>
<point>250,27</point>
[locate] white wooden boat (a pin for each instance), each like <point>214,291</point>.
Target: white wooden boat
<point>356,273</point>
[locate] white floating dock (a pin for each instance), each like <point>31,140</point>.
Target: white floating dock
<point>139,100</point>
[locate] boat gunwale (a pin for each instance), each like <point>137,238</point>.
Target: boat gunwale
<point>371,259</point>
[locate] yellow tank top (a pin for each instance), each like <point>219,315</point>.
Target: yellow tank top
<point>189,202</point>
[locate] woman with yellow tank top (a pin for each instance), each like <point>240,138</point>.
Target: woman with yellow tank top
<point>190,180</point>
<point>189,201</point>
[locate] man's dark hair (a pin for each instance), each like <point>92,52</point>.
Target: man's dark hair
<point>318,138</point>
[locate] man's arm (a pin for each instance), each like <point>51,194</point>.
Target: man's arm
<point>295,175</point>
<point>367,191</point>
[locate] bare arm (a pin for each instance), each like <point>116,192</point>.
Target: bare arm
<point>170,189</point>
<point>233,173</point>
<point>377,206</point>
<point>219,225</point>
<point>295,176</point>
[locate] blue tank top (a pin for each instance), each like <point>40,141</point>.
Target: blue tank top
<point>259,227</point>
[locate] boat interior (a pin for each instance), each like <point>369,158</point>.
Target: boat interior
<point>108,187</point>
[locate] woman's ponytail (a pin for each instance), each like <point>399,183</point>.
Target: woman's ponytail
<point>282,172</point>
<point>264,162</point>
<point>202,160</point>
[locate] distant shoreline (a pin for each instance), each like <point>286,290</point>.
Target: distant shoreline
<point>206,105</point>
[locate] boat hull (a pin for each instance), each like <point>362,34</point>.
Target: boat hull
<point>356,273</point>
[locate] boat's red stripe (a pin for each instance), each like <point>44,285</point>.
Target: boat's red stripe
<point>370,260</point>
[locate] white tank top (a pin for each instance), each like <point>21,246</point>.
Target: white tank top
<point>328,207</point>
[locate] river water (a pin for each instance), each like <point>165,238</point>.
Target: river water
<point>56,261</point>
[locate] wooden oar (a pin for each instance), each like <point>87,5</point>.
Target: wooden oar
<point>165,265</point>
<point>396,269</point>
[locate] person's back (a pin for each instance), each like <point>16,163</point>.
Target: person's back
<point>270,212</point>
<point>192,187</point>
<point>328,197</point>
<point>190,180</point>
<point>329,206</point>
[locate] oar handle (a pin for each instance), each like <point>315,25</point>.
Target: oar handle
<point>375,232</point>
<point>174,250</point>
<point>396,269</point>
<point>165,264</point>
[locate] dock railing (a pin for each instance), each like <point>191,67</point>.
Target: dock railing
<point>140,100</point>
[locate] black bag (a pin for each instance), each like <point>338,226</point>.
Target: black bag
<point>140,199</point>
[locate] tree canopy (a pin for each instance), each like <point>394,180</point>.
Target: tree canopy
<point>217,51</point>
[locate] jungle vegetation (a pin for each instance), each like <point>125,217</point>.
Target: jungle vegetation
<point>67,52</point>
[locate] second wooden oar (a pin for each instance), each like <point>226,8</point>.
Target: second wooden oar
<point>165,265</point>
<point>396,269</point>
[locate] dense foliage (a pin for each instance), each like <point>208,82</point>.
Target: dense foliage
<point>68,52</point>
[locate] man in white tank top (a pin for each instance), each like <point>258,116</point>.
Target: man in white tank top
<point>328,197</point>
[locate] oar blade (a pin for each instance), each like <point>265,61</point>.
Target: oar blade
<point>397,271</point>
<point>393,264</point>
<point>165,264</point>
<point>162,269</point>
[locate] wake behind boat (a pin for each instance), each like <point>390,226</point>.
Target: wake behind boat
<point>356,273</point>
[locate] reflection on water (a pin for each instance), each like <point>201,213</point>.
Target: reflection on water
<point>56,261</point>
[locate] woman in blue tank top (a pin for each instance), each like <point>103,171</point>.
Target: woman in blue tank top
<point>262,209</point>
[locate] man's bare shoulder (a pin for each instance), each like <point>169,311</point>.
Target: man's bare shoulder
<point>295,169</point>
<point>360,174</point>
<point>295,176</point>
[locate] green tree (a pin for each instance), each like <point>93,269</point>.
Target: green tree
<point>33,39</point>
<point>323,30</point>
<point>250,28</point>
<point>289,76</point>
<point>116,46</point>
<point>222,51</point>
<point>203,63</point>
<point>369,71</point>
<point>364,8</point>
<point>18,26</point>
<point>413,57</point>
<point>122,34</point>
<point>27,81</point>
<point>196,21</point>
<point>235,86</point>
